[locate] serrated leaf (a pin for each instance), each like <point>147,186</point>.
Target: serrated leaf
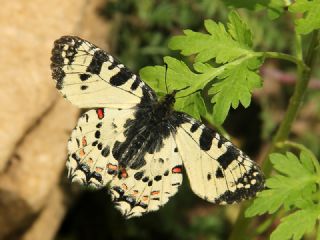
<point>311,19</point>
<point>220,44</point>
<point>235,85</point>
<point>239,30</point>
<point>202,67</point>
<point>297,224</point>
<point>306,161</point>
<point>294,183</point>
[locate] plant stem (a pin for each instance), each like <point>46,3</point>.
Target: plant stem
<point>296,99</point>
<point>241,225</point>
<point>287,57</point>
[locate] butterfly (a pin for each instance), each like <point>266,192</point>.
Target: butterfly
<point>136,144</point>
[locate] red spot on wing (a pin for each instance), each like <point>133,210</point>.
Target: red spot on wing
<point>177,169</point>
<point>123,173</point>
<point>100,113</point>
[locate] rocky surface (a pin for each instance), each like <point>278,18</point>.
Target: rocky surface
<point>35,120</point>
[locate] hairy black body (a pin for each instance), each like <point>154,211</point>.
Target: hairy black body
<point>154,121</point>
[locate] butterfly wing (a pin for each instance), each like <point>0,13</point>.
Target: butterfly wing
<point>89,77</point>
<point>90,147</point>
<point>136,192</point>
<point>217,170</point>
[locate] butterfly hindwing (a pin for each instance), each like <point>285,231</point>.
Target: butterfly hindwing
<point>90,147</point>
<point>89,77</point>
<point>218,171</point>
<point>136,192</point>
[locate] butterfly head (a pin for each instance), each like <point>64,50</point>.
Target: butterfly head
<point>170,98</point>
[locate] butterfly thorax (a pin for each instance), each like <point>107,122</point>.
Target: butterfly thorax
<point>164,108</point>
<point>145,134</point>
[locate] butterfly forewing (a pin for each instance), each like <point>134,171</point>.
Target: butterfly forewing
<point>218,171</point>
<point>89,77</point>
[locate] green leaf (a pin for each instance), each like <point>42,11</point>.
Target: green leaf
<point>223,45</point>
<point>179,76</point>
<point>154,76</point>
<point>292,186</point>
<point>275,7</point>
<point>239,30</point>
<point>193,105</point>
<point>235,85</point>
<point>297,224</point>
<point>311,20</point>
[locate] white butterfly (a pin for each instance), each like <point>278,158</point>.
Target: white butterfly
<point>137,144</point>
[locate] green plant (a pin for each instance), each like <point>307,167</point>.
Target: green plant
<point>225,65</point>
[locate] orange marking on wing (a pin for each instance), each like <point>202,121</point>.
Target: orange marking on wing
<point>124,186</point>
<point>84,141</point>
<point>135,192</point>
<point>82,153</point>
<point>112,167</point>
<point>90,161</point>
<point>99,169</point>
<point>145,198</point>
<point>155,192</point>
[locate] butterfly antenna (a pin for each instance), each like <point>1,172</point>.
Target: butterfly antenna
<point>189,94</point>
<point>165,76</point>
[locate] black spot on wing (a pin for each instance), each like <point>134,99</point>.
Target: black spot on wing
<point>75,157</point>
<point>138,175</point>
<point>97,134</point>
<point>242,192</point>
<point>158,178</point>
<point>145,179</point>
<point>105,151</point>
<point>194,127</point>
<point>230,155</point>
<point>219,173</point>
<point>222,140</point>
<point>209,176</point>
<point>121,77</point>
<point>58,75</point>
<point>206,139</point>
<point>113,65</point>
<point>135,84</point>
<point>83,87</point>
<point>72,43</point>
<point>99,146</point>
<point>96,176</point>
<point>99,57</point>
<point>85,169</point>
<point>84,76</point>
